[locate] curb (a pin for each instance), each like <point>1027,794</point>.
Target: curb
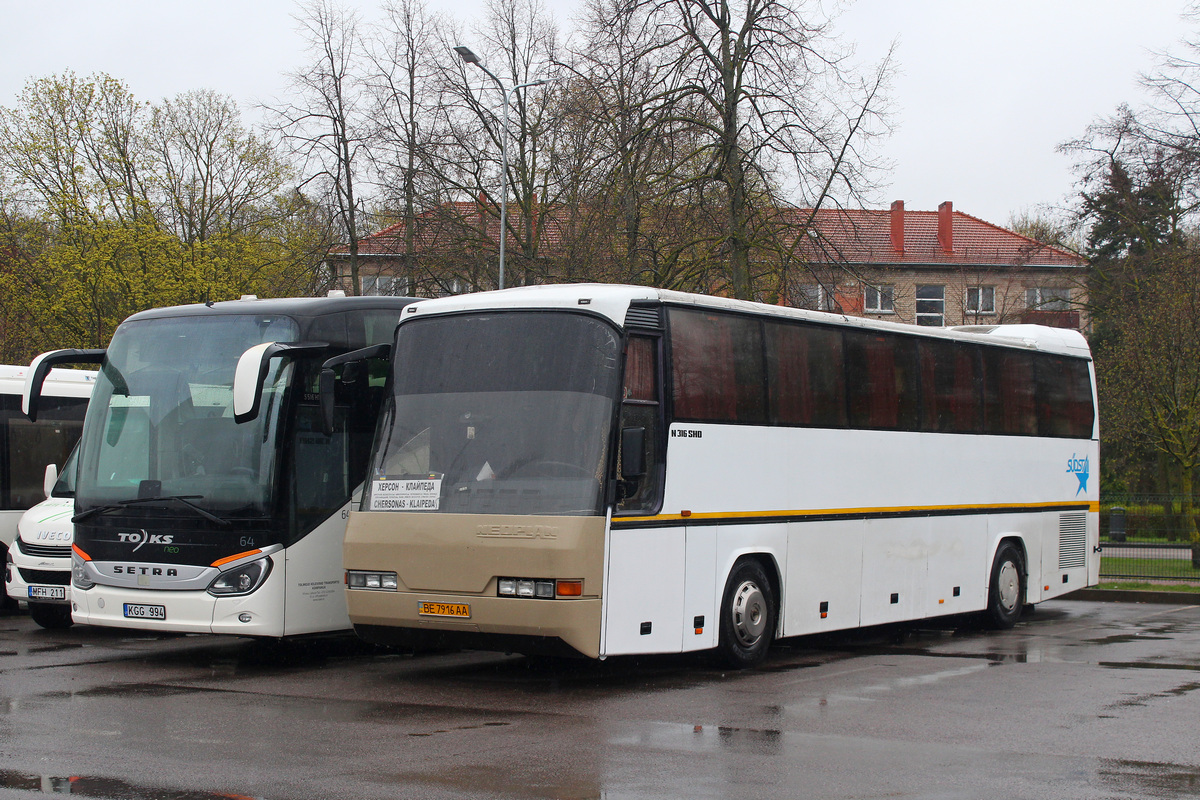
<point>1134,596</point>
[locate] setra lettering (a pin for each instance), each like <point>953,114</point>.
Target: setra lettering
<point>134,569</point>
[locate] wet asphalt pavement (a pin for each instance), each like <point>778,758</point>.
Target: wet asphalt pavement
<point>1080,700</point>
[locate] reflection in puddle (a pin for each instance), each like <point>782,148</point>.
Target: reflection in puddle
<point>104,788</point>
<point>668,736</point>
<point>514,782</point>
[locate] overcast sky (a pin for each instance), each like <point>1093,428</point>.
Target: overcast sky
<point>987,88</point>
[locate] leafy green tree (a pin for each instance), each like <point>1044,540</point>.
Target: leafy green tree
<point>111,206</point>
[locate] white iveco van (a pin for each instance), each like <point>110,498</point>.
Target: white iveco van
<point>38,571</point>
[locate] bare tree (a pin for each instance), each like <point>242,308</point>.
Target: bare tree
<point>781,110</point>
<point>628,143</point>
<point>518,41</point>
<point>325,125</point>
<point>408,63</point>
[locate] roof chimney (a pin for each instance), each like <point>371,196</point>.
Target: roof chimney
<point>898,226</point>
<point>946,227</point>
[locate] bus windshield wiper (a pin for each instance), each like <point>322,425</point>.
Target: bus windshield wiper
<point>178,498</point>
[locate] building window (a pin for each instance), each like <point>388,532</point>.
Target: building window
<point>384,286</point>
<point>814,297</point>
<point>981,300</point>
<point>1048,299</point>
<point>931,305</point>
<point>879,299</point>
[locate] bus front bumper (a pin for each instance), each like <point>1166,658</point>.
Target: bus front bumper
<point>503,623</point>
<point>18,587</point>
<point>177,611</point>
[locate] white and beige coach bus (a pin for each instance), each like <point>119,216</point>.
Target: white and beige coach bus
<point>609,470</point>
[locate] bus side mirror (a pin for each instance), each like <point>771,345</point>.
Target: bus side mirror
<point>31,393</point>
<point>633,453</point>
<point>328,380</point>
<point>252,371</point>
<point>50,479</point>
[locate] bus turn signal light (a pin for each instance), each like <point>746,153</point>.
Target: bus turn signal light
<point>570,588</point>
<point>220,562</point>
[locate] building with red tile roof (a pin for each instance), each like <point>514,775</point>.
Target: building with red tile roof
<point>939,267</point>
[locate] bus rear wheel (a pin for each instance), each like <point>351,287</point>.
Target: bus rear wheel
<point>747,616</point>
<point>1006,591</point>
<point>50,616</point>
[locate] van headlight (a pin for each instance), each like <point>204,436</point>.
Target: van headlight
<point>242,580</point>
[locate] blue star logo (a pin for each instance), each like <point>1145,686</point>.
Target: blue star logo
<point>1082,468</point>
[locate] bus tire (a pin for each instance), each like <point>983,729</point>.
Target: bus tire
<point>6,603</point>
<point>50,616</point>
<point>1006,590</point>
<point>747,616</point>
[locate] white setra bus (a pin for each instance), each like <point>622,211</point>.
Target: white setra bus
<point>607,470</point>
<point>26,447</point>
<point>207,497</point>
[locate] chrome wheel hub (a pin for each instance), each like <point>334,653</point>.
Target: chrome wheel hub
<point>1008,585</point>
<point>749,614</point>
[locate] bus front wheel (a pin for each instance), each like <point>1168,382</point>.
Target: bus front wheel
<point>51,617</point>
<point>747,616</point>
<point>1006,591</point>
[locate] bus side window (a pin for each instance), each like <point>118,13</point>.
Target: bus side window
<point>641,408</point>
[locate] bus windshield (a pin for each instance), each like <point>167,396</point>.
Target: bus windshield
<point>498,413</point>
<point>161,421</point>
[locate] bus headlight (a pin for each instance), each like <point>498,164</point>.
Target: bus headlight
<point>539,588</point>
<point>79,576</point>
<point>243,580</point>
<point>362,579</point>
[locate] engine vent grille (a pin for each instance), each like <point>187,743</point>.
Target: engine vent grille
<point>1072,540</point>
<point>45,576</point>
<point>44,550</point>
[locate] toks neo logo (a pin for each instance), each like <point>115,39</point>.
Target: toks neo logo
<point>141,537</point>
<point>1082,469</point>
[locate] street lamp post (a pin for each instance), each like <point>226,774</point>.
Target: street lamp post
<point>469,57</point>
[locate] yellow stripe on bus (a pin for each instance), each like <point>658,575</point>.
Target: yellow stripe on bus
<point>846,512</point>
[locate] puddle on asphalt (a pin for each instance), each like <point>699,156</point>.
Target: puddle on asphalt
<point>54,648</point>
<point>135,689</point>
<point>461,728</point>
<point>1148,665</point>
<point>1132,778</point>
<point>1127,638</point>
<point>104,788</point>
